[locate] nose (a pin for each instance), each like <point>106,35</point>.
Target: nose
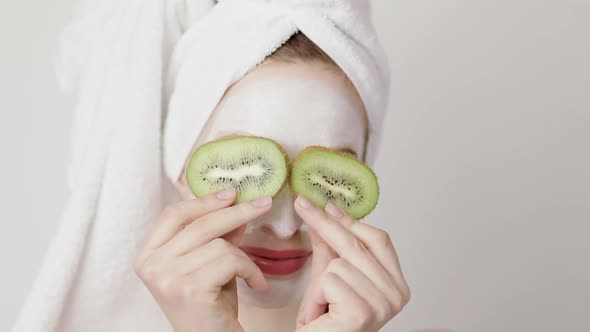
<point>281,220</point>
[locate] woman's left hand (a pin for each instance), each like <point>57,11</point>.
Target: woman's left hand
<point>356,282</point>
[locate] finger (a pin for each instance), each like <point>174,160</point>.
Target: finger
<point>321,257</point>
<point>176,216</point>
<point>377,241</point>
<point>214,225</point>
<point>322,254</point>
<point>197,258</point>
<point>344,243</point>
<point>340,297</point>
<point>377,300</point>
<point>214,275</point>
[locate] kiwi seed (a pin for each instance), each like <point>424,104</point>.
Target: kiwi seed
<point>327,176</point>
<point>254,166</point>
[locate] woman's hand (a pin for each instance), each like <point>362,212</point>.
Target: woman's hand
<point>190,261</point>
<point>356,282</point>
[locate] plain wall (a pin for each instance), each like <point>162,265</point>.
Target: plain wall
<point>483,170</point>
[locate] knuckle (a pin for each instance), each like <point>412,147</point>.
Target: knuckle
<point>382,238</point>
<point>244,209</point>
<point>148,273</point>
<point>221,244</point>
<point>355,245</point>
<point>327,277</point>
<point>407,295</point>
<point>397,302</point>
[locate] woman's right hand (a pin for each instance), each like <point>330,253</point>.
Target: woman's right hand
<point>190,260</point>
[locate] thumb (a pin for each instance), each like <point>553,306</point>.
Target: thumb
<point>321,257</point>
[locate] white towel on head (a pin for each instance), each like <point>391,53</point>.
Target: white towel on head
<point>143,70</point>
<point>249,31</point>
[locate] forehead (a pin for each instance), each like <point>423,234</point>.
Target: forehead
<point>295,104</point>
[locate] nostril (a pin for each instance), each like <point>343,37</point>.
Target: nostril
<point>267,229</point>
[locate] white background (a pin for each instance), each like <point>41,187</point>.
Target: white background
<point>484,168</point>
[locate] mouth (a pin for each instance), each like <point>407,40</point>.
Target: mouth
<point>277,262</point>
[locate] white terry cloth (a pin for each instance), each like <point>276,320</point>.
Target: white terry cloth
<point>147,75</point>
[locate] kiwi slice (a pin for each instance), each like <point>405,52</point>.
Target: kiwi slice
<point>254,166</point>
<point>323,175</point>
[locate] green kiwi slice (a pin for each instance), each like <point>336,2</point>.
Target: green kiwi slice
<point>254,166</point>
<point>323,175</point>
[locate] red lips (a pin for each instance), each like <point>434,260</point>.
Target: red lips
<point>277,262</point>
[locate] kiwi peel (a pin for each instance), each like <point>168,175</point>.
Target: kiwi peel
<point>254,166</point>
<point>325,176</point>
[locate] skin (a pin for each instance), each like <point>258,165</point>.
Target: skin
<point>353,281</point>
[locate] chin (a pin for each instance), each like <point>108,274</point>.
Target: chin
<point>281,292</point>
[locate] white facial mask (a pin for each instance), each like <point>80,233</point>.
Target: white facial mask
<point>296,112</point>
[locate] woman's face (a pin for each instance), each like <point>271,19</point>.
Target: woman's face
<point>297,105</point>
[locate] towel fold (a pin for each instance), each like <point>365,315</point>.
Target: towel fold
<point>147,74</point>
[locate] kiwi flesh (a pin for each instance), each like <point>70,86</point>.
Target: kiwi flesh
<point>254,166</point>
<point>325,176</point>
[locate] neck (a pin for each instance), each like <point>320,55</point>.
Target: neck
<point>268,319</point>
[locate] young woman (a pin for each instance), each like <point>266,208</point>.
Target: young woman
<point>156,79</point>
<point>298,267</point>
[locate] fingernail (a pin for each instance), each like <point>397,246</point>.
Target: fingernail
<point>226,193</point>
<point>303,202</point>
<point>334,211</point>
<point>262,201</point>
